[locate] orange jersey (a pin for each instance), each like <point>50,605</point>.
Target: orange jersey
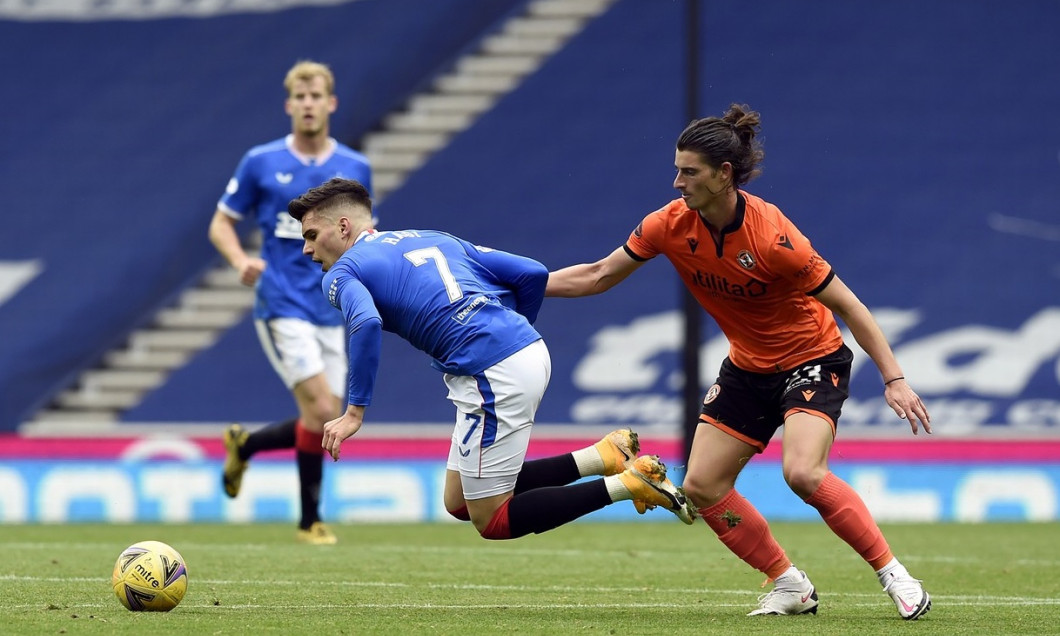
<point>756,279</point>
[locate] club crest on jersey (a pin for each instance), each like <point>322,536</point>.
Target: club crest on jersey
<point>712,394</point>
<point>746,259</point>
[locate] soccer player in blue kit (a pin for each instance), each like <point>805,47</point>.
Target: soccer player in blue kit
<point>301,333</point>
<point>470,308</point>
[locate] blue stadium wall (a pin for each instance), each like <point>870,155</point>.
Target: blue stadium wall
<point>915,143</point>
<point>119,136</point>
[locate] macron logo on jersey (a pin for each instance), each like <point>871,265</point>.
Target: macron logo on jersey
<point>284,178</point>
<point>232,187</point>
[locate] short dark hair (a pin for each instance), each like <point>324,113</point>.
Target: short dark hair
<point>334,192</point>
<point>731,138</point>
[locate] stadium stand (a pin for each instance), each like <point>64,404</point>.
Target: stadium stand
<point>113,169</point>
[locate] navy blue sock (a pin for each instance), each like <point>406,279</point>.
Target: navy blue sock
<point>272,437</point>
<point>550,471</point>
<point>310,475</point>
<point>543,509</point>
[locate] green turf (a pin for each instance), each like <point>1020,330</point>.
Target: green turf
<point>591,578</point>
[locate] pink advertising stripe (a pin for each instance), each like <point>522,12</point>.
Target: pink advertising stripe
<point>886,451</point>
<point>14,447</point>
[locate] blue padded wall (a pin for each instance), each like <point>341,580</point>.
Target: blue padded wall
<point>122,135</point>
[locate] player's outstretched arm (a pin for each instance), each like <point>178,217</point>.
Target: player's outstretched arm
<point>899,395</point>
<point>588,279</point>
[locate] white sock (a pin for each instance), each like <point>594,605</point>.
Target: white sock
<point>790,574</point>
<point>617,489</point>
<point>893,566</point>
<point>589,461</point>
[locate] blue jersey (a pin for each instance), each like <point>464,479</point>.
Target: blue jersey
<point>467,307</point>
<point>266,180</point>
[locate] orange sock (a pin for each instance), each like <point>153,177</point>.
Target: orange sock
<point>846,514</point>
<point>744,530</point>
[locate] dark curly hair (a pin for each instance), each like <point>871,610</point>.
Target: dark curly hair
<point>731,138</point>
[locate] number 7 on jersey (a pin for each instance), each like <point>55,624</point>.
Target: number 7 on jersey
<point>421,256</point>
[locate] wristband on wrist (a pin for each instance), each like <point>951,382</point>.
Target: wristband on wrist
<point>901,377</point>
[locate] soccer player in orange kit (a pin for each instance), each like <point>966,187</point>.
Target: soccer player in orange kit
<point>775,299</point>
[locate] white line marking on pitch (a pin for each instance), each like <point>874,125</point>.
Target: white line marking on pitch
<point>951,599</point>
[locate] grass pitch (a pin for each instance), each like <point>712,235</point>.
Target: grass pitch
<point>592,578</point>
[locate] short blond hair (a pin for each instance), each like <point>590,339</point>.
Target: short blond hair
<point>306,70</point>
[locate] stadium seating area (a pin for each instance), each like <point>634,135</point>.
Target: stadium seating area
<point>916,143</point>
<point>114,156</point>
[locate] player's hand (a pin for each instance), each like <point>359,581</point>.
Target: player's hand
<point>250,271</point>
<point>907,405</point>
<point>338,430</point>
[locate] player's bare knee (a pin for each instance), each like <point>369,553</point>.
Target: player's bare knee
<point>452,496</point>
<point>694,491</point>
<point>490,517</point>
<point>803,479</point>
<point>704,492</point>
<point>318,414</point>
<point>482,525</point>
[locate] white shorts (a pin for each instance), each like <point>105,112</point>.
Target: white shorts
<point>298,350</point>
<point>494,414</point>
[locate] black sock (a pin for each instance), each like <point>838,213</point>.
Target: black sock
<point>543,509</point>
<point>272,437</point>
<point>550,471</point>
<point>310,474</point>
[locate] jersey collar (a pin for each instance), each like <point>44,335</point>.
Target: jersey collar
<point>311,160</point>
<point>736,224</point>
<point>737,220</point>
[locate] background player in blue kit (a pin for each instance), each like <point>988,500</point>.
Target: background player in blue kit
<point>469,308</point>
<point>301,333</point>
